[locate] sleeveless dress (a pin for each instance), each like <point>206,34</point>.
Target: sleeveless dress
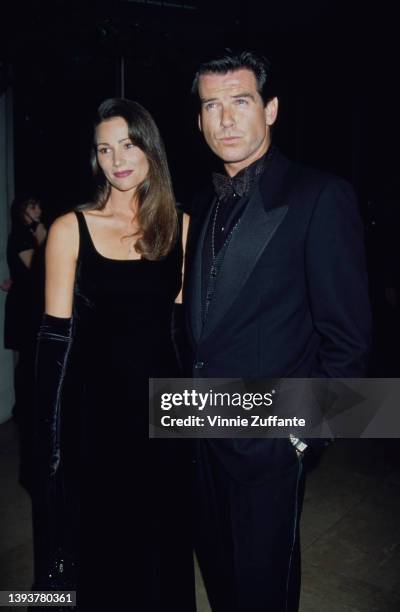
<point>128,496</point>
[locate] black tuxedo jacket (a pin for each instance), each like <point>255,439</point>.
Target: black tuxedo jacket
<point>292,296</point>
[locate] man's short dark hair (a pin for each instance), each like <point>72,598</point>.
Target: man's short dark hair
<point>230,61</point>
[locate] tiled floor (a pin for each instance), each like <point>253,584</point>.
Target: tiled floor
<point>350,528</point>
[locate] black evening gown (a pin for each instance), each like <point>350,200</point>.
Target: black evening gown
<point>127,496</point>
<point>23,310</point>
<point>20,308</point>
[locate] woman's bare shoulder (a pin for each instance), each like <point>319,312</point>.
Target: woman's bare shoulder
<point>64,232</point>
<point>65,223</point>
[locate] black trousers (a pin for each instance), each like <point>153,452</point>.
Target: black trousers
<point>247,537</point>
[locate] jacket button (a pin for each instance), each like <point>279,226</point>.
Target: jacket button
<point>199,364</point>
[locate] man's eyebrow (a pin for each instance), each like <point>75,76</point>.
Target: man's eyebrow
<point>244,95</point>
<point>205,100</point>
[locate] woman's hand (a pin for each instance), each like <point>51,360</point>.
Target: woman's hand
<point>40,234</point>
<point>6,284</point>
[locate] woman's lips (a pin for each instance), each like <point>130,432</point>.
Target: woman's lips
<point>123,173</point>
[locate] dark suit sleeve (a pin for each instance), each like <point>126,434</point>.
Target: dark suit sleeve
<point>338,284</point>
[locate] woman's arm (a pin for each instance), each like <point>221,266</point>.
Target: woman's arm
<point>185,228</point>
<point>61,256</point>
<point>54,342</point>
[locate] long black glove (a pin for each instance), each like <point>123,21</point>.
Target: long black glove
<point>54,561</point>
<point>53,346</point>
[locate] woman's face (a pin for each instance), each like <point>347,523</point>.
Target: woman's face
<point>32,213</point>
<point>124,165</point>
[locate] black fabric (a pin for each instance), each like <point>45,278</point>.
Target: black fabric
<point>21,239</point>
<point>291,300</point>
<point>23,412</point>
<point>283,295</point>
<point>49,507</point>
<point>219,230</point>
<point>20,308</point>
<point>179,335</point>
<point>23,311</point>
<point>226,186</point>
<point>55,328</point>
<point>232,209</point>
<point>247,538</point>
<point>293,284</point>
<point>127,495</point>
<point>225,215</point>
<point>232,197</point>
<point>53,346</point>
<point>233,194</point>
<point>210,280</point>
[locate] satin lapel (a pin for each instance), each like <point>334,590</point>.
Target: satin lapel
<point>194,270</point>
<point>253,234</point>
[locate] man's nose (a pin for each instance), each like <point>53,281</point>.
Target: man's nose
<point>227,118</point>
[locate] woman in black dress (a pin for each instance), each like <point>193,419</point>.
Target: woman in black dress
<point>26,237</point>
<point>23,310</point>
<point>115,503</point>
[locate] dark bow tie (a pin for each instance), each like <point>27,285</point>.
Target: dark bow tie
<point>226,186</point>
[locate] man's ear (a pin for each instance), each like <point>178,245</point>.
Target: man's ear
<point>199,122</point>
<point>271,111</point>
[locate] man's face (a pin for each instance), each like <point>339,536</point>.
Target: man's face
<point>233,118</point>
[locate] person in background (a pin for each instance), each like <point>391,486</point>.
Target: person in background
<point>24,303</point>
<point>6,284</point>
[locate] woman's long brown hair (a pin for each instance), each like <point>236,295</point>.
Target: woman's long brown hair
<point>157,217</point>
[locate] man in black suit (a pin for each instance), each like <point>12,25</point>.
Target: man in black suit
<point>275,286</point>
